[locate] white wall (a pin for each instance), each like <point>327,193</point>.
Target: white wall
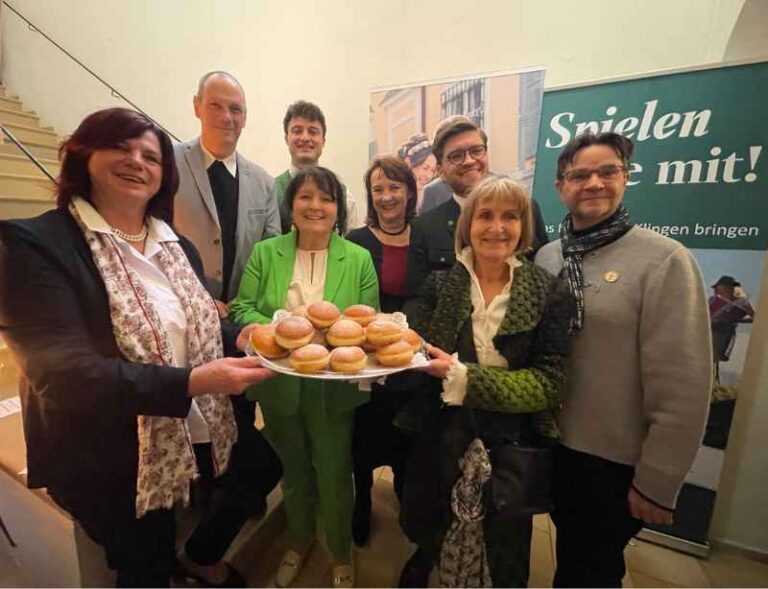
<point>741,512</point>
<point>332,52</point>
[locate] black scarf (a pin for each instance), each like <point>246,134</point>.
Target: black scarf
<point>577,244</point>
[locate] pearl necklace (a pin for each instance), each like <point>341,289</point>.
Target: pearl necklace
<point>132,237</point>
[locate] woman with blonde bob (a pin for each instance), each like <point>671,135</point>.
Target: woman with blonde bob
<point>497,328</point>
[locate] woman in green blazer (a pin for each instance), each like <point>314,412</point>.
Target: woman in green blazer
<point>310,421</point>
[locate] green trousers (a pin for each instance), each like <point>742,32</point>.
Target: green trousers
<point>315,448</point>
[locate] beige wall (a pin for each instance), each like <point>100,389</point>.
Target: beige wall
<point>741,512</point>
<point>332,52</point>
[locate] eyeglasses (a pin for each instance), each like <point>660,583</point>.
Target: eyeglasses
<point>605,173</point>
<point>457,157</point>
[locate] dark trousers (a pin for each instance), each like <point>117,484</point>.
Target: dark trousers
<point>143,551</point>
<point>426,514</point>
<point>376,442</point>
<point>254,471</point>
<point>508,547</point>
<point>592,517</point>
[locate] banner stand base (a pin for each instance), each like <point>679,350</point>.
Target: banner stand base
<point>673,542</point>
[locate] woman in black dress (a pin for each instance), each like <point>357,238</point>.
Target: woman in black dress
<point>391,193</point>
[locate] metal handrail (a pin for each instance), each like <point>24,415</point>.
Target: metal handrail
<point>112,89</point>
<point>26,152</point>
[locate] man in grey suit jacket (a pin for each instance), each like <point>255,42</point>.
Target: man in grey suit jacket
<point>225,203</point>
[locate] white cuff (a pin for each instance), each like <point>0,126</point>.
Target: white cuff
<point>455,383</point>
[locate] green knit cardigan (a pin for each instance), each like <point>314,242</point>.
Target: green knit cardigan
<point>533,337</point>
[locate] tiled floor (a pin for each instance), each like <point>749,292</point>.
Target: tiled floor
<point>12,574</point>
<point>379,563</point>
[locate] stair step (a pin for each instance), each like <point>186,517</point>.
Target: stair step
<point>25,190</point>
<point>17,117</point>
<point>27,186</point>
<point>4,91</point>
<point>25,133</point>
<point>39,150</point>
<point>20,164</point>
<point>10,103</point>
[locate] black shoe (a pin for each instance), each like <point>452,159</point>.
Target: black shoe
<point>361,521</point>
<point>183,575</point>
<point>416,570</point>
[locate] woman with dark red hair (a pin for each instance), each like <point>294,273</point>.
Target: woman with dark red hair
<point>122,350</point>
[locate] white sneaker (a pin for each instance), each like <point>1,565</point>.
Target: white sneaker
<point>289,568</point>
<point>343,576</point>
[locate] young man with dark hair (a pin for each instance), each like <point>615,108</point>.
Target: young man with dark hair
<point>304,128</point>
<point>307,111</point>
<point>461,150</point>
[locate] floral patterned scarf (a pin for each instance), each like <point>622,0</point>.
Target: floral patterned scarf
<point>166,458</point>
<point>463,556</point>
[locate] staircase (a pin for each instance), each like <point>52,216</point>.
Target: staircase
<point>24,190</point>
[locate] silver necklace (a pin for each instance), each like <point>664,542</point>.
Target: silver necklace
<point>132,237</point>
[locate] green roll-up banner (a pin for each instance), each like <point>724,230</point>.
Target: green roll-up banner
<point>698,176</point>
<point>698,151</point>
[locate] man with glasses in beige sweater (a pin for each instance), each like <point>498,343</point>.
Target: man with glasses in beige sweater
<point>640,373</point>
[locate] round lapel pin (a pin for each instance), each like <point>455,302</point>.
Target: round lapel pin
<point>611,276</point>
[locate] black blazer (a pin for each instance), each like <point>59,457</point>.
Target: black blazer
<point>80,397</point>
<point>433,242</point>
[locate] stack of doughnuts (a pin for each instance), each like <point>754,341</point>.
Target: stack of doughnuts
<point>323,314</point>
<point>396,354</point>
<point>348,359</point>
<point>294,332</point>
<point>381,332</point>
<point>308,334</point>
<point>345,332</point>
<point>310,358</point>
<point>263,341</point>
<point>362,314</point>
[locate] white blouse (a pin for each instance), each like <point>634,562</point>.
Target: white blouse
<point>308,280</point>
<point>159,291</point>
<point>230,162</point>
<point>486,319</point>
